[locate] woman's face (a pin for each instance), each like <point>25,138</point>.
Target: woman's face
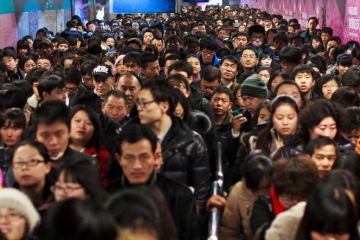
<point>10,134</point>
<point>264,115</point>
<point>285,120</point>
<point>28,65</point>
<point>121,68</point>
<point>265,76</point>
<point>266,61</point>
<point>82,129</point>
<point>64,189</point>
<point>329,88</point>
<point>327,236</point>
<point>239,100</point>
<point>326,128</point>
<point>179,111</point>
<point>195,63</point>
<point>275,82</point>
<point>148,36</point>
<point>12,224</point>
<point>110,42</point>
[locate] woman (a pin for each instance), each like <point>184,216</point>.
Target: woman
<point>318,118</point>
<point>327,85</point>
<point>12,127</point>
<point>30,166</point>
<point>26,63</point>
<point>256,181</point>
<point>283,123</point>
<point>195,63</point>
<point>86,137</point>
<point>330,214</point>
<point>73,181</point>
<point>18,215</point>
<point>265,73</point>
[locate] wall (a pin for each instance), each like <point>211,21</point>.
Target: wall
<point>24,17</point>
<point>342,16</point>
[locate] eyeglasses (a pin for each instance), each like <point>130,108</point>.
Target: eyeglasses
<point>30,163</point>
<point>68,188</point>
<point>330,86</point>
<point>208,52</point>
<point>143,104</point>
<point>11,216</point>
<point>248,56</point>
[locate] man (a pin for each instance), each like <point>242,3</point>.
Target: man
<point>159,43</point>
<point>343,63</point>
<point>326,34</point>
<point>51,125</point>
<point>136,146</point>
<point>114,106</point>
<point>10,61</point>
<point>132,62</point>
<point>257,40</point>
<point>210,80</point>
<point>91,26</point>
<point>73,79</point>
<point>290,57</point>
<point>240,40</point>
<point>229,68</point>
<point>130,85</point>
<point>323,152</point>
<point>44,62</point>
<point>86,69</point>
<point>304,78</point>
<point>170,60</point>
<point>150,66</point>
<point>191,45</point>
<point>249,58</point>
<point>311,31</point>
<point>103,80</point>
<point>185,153</point>
<point>208,48</point>
<point>52,87</point>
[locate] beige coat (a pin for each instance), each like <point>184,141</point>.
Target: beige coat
<point>236,218</point>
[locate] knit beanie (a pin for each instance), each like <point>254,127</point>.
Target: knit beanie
<point>16,200</point>
<point>253,86</point>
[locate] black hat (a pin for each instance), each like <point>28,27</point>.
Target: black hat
<point>102,71</point>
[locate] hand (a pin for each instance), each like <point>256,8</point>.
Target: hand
<point>216,201</point>
<point>237,122</point>
<point>357,146</point>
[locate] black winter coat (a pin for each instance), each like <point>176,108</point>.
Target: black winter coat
<point>186,159</point>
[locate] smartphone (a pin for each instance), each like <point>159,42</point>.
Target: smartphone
<point>238,111</point>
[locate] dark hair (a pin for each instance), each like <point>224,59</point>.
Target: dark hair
<point>49,83</point>
<point>303,68</point>
<point>97,137</point>
<point>291,83</point>
<point>50,112</point>
<point>255,168</point>
<point>37,145</point>
<point>79,219</point>
<point>78,172</point>
<point>116,94</point>
<point>87,67</point>
<point>72,75</point>
<point>325,79</point>
<point>352,77</point>
<point>23,59</point>
<point>328,210</point>
<point>319,142</point>
<point>183,101</point>
<point>222,89</point>
<point>327,30</point>
<point>275,74</point>
<point>11,96</point>
<point>9,52</point>
<point>35,74</point>
<point>248,48</point>
<point>290,54</point>
<point>208,43</point>
<point>146,58</point>
<point>351,119</point>
<point>179,78</point>
<point>346,97</point>
<point>181,66</point>
<point>133,133</point>
<point>210,73</point>
<point>349,161</point>
<point>132,57</point>
<point>296,177</point>
<point>135,210</point>
<point>313,18</point>
<point>22,44</point>
<point>13,117</point>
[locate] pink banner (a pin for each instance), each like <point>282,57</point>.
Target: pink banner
<point>342,16</point>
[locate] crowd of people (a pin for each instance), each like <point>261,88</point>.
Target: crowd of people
<point>111,129</point>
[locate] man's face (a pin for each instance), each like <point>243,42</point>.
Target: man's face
<point>103,86</point>
<point>43,63</point>
<point>10,63</point>
<point>137,161</point>
<point>192,48</point>
<point>267,23</point>
<point>63,46</point>
<point>222,34</point>
<point>240,41</point>
<point>342,69</point>
<point>133,67</point>
<point>173,44</point>
<point>248,59</point>
<point>305,81</point>
<point>131,88</point>
<point>54,136</point>
<point>229,70</point>
<point>150,112</point>
<point>209,87</point>
<point>324,158</point>
<point>325,37</point>
<point>291,90</point>
<point>115,108</point>
<point>221,104</point>
<point>159,44</point>
<point>312,24</point>
<point>251,103</point>
<point>55,94</point>
<point>168,63</point>
<point>257,39</point>
<point>91,27</point>
<point>287,67</point>
<point>152,70</point>
<point>207,56</point>
<point>88,81</point>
